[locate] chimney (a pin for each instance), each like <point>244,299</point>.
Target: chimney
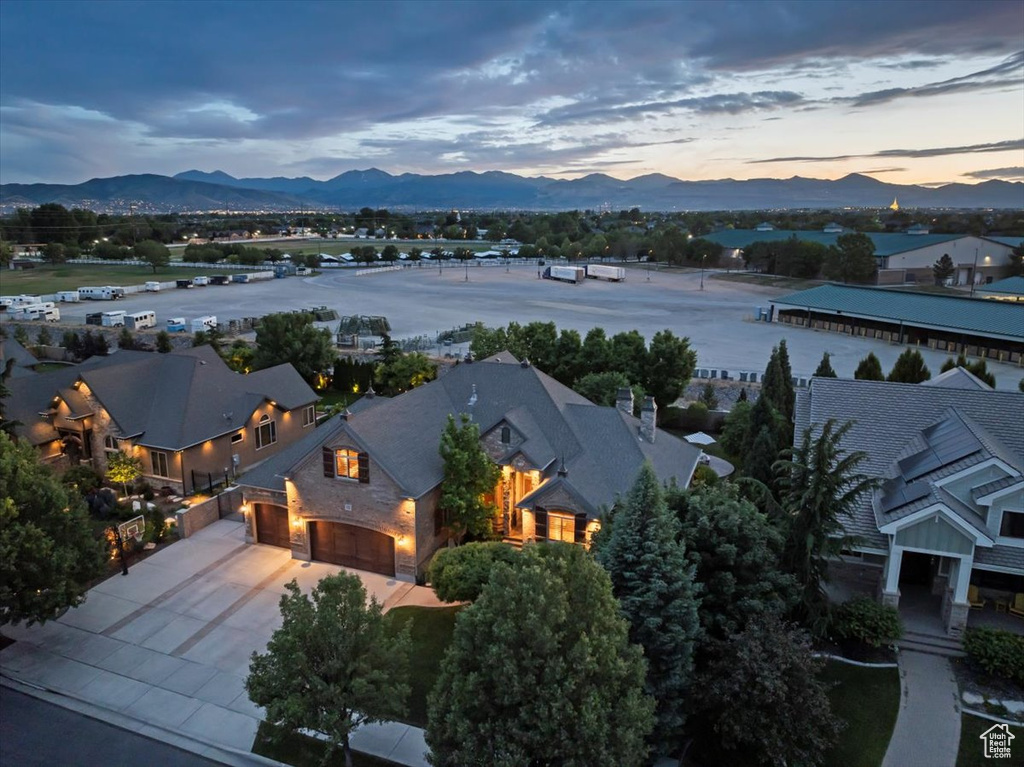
<point>624,400</point>
<point>648,419</point>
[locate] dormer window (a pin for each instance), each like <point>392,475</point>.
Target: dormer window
<point>506,435</point>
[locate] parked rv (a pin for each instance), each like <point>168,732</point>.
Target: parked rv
<point>140,320</point>
<point>104,293</point>
<point>200,281</point>
<point>208,322</point>
<point>183,284</point>
<point>45,312</point>
<point>69,296</point>
<point>603,272</point>
<point>112,319</point>
<point>13,302</point>
<point>573,274</point>
<point>152,286</point>
<point>176,325</point>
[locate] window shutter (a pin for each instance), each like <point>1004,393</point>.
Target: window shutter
<point>580,533</point>
<point>364,468</point>
<point>328,462</point>
<point>541,524</point>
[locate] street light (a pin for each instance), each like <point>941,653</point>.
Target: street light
<point>702,270</point>
<point>974,272</point>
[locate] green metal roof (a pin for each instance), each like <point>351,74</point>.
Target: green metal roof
<point>993,319</point>
<point>1011,286</point>
<point>886,243</point>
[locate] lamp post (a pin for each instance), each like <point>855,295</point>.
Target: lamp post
<point>702,270</point>
<point>974,272</point>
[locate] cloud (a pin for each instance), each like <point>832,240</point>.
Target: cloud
<point>999,146</point>
<point>715,104</point>
<point>1003,174</point>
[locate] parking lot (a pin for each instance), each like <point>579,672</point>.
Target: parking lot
<point>422,300</point>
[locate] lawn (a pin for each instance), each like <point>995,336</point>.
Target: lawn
<point>304,751</point>
<point>50,279</point>
<point>867,700</point>
<point>431,630</point>
<point>972,753</point>
<point>766,280</point>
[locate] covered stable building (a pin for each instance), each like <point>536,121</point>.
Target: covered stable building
<point>978,328</point>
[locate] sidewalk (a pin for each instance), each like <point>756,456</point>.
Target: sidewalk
<point>166,649</point>
<point>927,732</point>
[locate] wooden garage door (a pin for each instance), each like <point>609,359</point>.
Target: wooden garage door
<point>352,546</point>
<point>272,525</point>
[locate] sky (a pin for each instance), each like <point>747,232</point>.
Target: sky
<point>907,92</point>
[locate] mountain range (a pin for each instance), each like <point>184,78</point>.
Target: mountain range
<point>196,190</point>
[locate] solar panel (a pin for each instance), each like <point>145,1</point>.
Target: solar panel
<point>947,441</point>
<point>897,493</point>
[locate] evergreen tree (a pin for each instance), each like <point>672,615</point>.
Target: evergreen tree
<point>163,342</point>
<point>468,475</point>
<point>43,337</point>
<point>743,395</point>
<point>825,367</point>
<point>763,453</point>
<point>654,583</point>
<point>668,367</point>
<point>869,369</point>
<point>910,368</point>
<point>708,397</point>
<point>735,429</point>
<point>333,665</point>
<point>820,486</point>
<point>540,671</point>
<point>943,269</point>
<point>978,368</point>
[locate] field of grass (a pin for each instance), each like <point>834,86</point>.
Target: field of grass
<point>431,630</point>
<point>867,700</point>
<point>766,280</point>
<point>972,752</point>
<point>304,751</point>
<point>50,279</point>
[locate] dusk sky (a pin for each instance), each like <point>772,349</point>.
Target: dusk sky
<point>908,92</point>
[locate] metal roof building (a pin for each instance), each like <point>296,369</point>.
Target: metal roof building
<point>1009,289</point>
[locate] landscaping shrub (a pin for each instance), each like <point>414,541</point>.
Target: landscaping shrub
<point>867,621</point>
<point>998,652</point>
<point>459,574</point>
<point>82,478</point>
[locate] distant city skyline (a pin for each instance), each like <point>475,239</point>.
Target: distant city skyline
<point>911,92</point>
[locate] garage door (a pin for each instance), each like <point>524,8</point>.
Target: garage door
<point>352,546</point>
<point>272,525</point>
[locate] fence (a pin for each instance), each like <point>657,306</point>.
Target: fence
<point>195,518</point>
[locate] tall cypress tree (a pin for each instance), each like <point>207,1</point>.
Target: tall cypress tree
<point>869,369</point>
<point>910,368</point>
<point>825,367</point>
<point>654,583</point>
<point>762,454</point>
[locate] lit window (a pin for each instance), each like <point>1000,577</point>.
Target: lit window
<point>561,527</point>
<point>266,433</point>
<point>159,463</point>
<point>308,416</point>
<point>346,464</point>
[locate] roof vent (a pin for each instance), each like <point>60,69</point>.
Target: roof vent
<point>525,363</point>
<point>468,359</point>
<point>370,393</point>
<point>346,414</point>
<point>228,415</point>
<point>562,471</point>
<point>472,398</point>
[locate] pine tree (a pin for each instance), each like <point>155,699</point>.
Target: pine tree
<point>163,342</point>
<point>763,453</point>
<point>869,369</point>
<point>825,367</point>
<point>910,368</point>
<point>654,583</point>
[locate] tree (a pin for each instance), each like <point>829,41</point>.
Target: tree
<point>468,475</point>
<point>909,368</point>
<point>654,584</point>
<point>292,338</point>
<point>1017,260</point>
<point>333,666</point>
<point>43,337</point>
<point>820,486</point>
<point>540,671</point>
<point>824,369</point>
<point>53,253</point>
<point>601,388</point>
<point>629,355</point>
<point>869,369</point>
<point>389,253</point>
<point>764,700</point>
<point>154,253</point>
<point>47,550</point>
<point>851,259</point>
<point>978,368</point>
<point>708,396</point>
<point>163,342</point>
<point>460,574</point>
<point>125,339</point>
<point>123,468</point>
<point>761,456</point>
<point>943,269</point>
<point>735,429</point>
<point>777,387</point>
<point>670,363</point>
<point>736,550</point>
<point>404,372</point>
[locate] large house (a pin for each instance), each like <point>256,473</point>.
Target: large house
<point>949,512</point>
<point>363,490</point>
<point>189,418</point>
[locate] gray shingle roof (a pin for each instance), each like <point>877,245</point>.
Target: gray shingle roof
<point>887,421</point>
<point>957,378</point>
<point>600,445</point>
<point>994,319</point>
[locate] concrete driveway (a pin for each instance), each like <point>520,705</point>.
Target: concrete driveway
<point>168,645</point>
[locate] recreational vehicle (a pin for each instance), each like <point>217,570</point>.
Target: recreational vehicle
<point>112,319</point>
<point>140,320</point>
<point>209,322</point>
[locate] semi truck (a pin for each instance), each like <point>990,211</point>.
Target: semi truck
<point>603,272</point>
<point>573,274</point>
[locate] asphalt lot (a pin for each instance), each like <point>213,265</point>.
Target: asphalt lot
<point>424,300</point>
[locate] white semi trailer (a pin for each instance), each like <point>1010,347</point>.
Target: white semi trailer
<point>603,272</point>
<point>573,274</point>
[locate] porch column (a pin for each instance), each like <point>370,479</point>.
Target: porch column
<point>891,589</point>
<point>956,618</point>
<point>963,579</point>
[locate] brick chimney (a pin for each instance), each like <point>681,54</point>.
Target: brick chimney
<point>648,419</point>
<point>624,400</point>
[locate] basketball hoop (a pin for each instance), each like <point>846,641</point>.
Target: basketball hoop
<point>133,528</point>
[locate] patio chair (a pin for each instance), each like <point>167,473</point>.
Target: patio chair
<point>974,597</point>
<point>1017,605</point>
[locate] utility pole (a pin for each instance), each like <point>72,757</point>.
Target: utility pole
<point>974,272</point>
<point>702,270</point>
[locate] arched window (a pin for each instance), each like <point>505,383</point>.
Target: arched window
<point>266,432</point>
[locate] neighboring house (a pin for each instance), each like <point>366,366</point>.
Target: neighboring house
<point>363,490</point>
<point>949,513</point>
<point>23,363</point>
<point>186,415</point>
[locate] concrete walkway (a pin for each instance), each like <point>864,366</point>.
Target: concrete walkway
<point>167,648</point>
<point>927,732</point>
